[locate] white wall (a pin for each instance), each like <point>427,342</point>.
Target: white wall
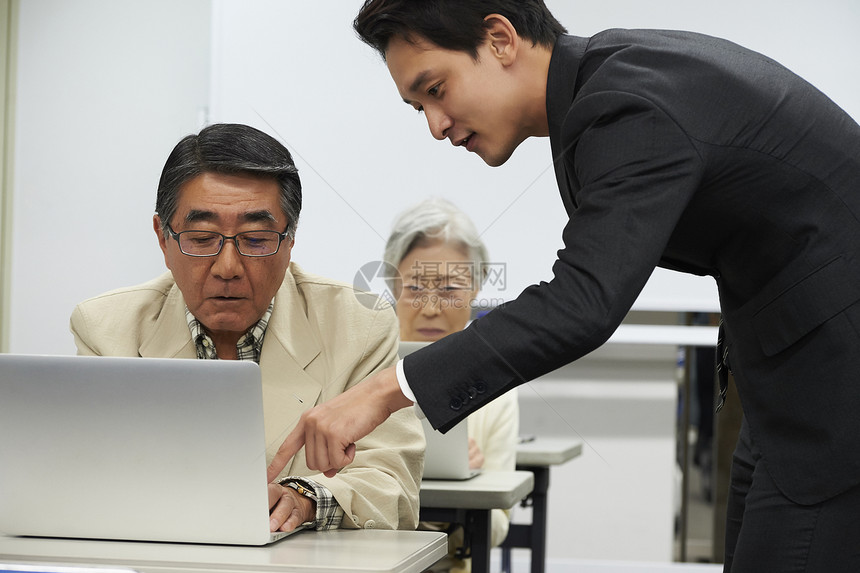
<point>105,89</point>
<point>297,70</point>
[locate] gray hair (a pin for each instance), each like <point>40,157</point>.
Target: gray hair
<point>431,220</point>
<point>233,149</point>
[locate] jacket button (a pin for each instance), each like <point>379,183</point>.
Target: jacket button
<point>481,387</point>
<point>473,392</point>
<point>456,404</point>
<point>369,524</point>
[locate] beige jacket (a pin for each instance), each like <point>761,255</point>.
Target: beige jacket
<point>320,341</point>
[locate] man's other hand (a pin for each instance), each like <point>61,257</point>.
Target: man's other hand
<point>288,508</point>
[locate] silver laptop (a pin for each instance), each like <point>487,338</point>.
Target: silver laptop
<point>133,448</point>
<point>446,455</point>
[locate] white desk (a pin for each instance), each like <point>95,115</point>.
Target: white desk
<point>469,502</point>
<point>337,551</point>
<point>536,456</point>
<point>545,451</point>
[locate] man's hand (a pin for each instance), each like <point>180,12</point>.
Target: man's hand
<point>288,508</point>
<point>329,431</point>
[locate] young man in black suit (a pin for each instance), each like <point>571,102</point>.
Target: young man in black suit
<point>671,149</point>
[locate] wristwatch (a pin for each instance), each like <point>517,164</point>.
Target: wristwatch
<point>307,492</point>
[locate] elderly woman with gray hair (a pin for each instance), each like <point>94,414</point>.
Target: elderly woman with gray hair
<point>442,262</point>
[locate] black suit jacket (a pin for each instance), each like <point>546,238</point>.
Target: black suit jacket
<point>692,153</point>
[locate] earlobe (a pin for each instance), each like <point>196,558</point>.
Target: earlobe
<point>502,37</point>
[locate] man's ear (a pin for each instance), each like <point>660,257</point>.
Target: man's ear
<point>162,240</point>
<point>503,39</point>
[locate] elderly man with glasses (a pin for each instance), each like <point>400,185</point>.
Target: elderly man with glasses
<point>226,212</point>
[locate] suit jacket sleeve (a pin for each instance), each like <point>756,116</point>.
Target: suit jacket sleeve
<point>632,170</point>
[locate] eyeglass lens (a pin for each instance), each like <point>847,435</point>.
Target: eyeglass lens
<point>250,243</point>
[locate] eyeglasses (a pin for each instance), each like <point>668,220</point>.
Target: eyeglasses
<point>450,292</point>
<point>209,243</point>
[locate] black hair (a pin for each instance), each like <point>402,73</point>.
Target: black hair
<point>230,148</point>
<point>452,24</point>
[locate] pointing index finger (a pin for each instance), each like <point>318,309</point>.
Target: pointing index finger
<point>292,444</point>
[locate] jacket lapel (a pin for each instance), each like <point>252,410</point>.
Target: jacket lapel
<point>290,346</point>
<point>169,337</point>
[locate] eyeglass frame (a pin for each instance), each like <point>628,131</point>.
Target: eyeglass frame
<point>415,291</point>
<point>225,238</point>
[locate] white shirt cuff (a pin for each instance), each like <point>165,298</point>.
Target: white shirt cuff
<point>404,387</point>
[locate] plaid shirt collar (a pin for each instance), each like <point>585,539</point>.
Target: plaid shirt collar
<point>249,346</point>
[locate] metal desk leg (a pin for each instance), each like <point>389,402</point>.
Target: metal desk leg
<point>506,559</point>
<point>478,522</point>
<point>530,536</point>
<point>476,531</point>
<point>539,517</point>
